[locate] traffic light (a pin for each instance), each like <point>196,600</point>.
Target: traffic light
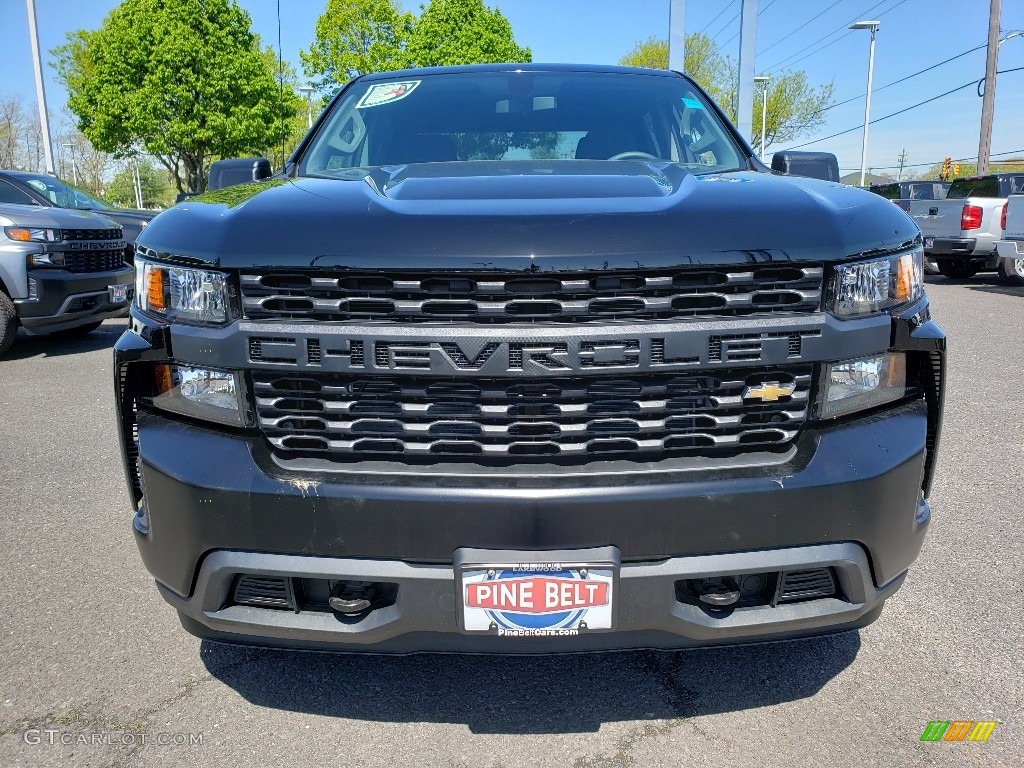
<point>944,172</point>
<point>956,170</point>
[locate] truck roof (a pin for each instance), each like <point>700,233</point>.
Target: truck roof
<point>521,67</point>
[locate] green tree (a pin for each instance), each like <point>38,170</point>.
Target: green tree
<point>354,37</point>
<point>155,183</point>
<point>795,108</point>
<point>450,32</point>
<point>182,80</point>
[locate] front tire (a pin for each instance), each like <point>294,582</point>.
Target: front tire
<point>957,270</point>
<point>1012,271</point>
<point>8,323</point>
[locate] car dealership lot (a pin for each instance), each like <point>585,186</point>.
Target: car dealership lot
<point>91,650</point>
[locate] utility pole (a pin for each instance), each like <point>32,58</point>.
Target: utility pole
<point>988,103</point>
<point>902,160</point>
<point>44,122</point>
<point>676,34</point>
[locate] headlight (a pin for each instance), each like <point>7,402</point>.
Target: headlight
<point>871,287</point>
<point>856,385</point>
<point>202,393</point>
<point>28,235</point>
<point>182,293</point>
<point>45,260</point>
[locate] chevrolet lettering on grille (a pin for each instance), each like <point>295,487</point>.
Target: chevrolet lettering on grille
<point>540,357</point>
<point>97,245</point>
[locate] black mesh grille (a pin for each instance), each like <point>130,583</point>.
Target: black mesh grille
<point>91,234</point>
<point>264,592</point>
<point>806,585</point>
<point>567,419</point>
<point>559,298</point>
<point>94,261</point>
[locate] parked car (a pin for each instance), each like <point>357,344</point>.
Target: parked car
<point>961,232</point>
<point>40,189</point>
<point>903,192</point>
<point>1011,247</point>
<point>528,358</point>
<point>61,271</point>
<point>814,165</point>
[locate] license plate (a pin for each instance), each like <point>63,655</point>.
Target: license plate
<point>539,598</point>
<point>929,242</point>
<point>118,294</point>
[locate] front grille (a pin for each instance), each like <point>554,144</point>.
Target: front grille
<point>558,419</point>
<point>93,261</point>
<point>558,297</point>
<point>91,234</point>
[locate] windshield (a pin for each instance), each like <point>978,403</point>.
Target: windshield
<point>64,195</point>
<point>488,116</point>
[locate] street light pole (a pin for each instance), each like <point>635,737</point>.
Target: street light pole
<point>74,167</point>
<point>309,104</point>
<point>873,26</point>
<point>763,81</point>
<point>44,122</point>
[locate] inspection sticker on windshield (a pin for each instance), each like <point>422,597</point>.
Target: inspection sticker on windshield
<point>386,93</point>
<point>537,599</point>
<point>692,103</point>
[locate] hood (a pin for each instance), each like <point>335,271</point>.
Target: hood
<point>528,215</point>
<point>52,218</point>
<point>130,214</point>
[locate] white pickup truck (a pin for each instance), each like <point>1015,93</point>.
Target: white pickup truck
<point>961,232</point>
<point>1011,247</point>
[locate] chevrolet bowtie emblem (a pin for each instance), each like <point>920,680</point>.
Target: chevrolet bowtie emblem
<point>769,392</point>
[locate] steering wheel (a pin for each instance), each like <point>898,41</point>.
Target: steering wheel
<point>634,154</point>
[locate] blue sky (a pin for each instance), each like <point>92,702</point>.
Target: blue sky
<point>914,34</point>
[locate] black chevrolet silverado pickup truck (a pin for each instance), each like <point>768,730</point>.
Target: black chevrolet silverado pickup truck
<point>528,358</point>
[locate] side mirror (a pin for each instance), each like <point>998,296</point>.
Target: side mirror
<point>228,173</point>
<point>817,165</point>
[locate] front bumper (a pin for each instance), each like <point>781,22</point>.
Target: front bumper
<point>213,504</point>
<point>65,300</point>
<point>204,521</point>
<point>424,615</point>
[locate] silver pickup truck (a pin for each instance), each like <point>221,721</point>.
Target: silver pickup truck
<point>61,271</point>
<point>1011,247</point>
<point>961,232</point>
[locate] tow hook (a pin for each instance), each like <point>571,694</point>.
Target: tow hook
<point>719,593</point>
<point>351,597</point>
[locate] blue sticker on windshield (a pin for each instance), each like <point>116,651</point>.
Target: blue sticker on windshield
<point>693,103</point>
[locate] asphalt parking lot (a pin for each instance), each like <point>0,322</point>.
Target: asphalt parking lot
<point>90,648</point>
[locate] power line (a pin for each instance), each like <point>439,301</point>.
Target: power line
<point>736,34</point>
<point>938,162</point>
<point>902,79</point>
<point>900,112</point>
<point>786,37</point>
<point>849,32</point>
<point>726,8</point>
<point>730,21</point>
